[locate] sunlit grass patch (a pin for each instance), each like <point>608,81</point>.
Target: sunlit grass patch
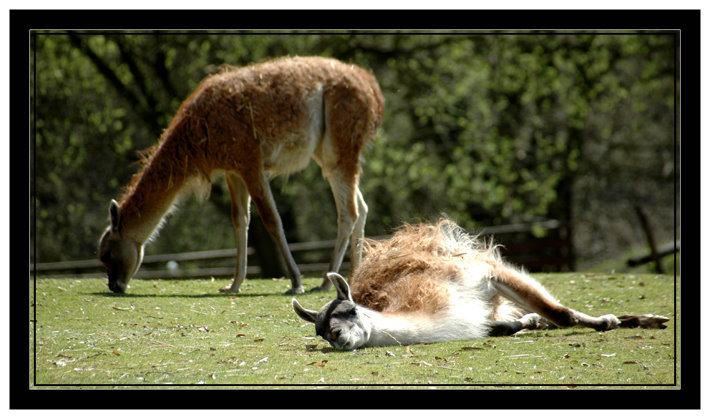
<point>186,333</point>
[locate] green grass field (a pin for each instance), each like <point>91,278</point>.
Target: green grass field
<point>185,333</point>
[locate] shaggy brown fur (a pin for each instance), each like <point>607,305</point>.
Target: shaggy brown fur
<point>253,123</point>
<point>225,121</point>
<point>404,273</point>
<point>435,283</point>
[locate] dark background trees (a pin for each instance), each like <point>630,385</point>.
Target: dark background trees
<point>486,128</point>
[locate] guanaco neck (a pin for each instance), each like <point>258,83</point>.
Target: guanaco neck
<point>391,329</point>
<point>153,192</point>
<point>404,329</point>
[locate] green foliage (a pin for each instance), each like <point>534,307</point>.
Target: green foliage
<point>187,333</point>
<point>489,129</point>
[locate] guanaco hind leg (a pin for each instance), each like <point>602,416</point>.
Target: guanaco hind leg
<point>532,321</point>
<point>346,208</point>
<point>352,212</point>
<point>358,233</point>
<point>527,293</point>
<point>349,123</point>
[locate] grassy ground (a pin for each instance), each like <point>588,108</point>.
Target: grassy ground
<point>185,333</point>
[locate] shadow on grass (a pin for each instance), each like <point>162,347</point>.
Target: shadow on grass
<point>211,295</point>
<point>327,350</point>
<point>557,332</point>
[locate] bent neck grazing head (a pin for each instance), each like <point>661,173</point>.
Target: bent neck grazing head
<point>122,256</point>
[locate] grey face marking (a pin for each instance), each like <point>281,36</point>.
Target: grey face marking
<point>112,257</point>
<point>120,256</point>
<point>335,321</point>
<point>340,322</point>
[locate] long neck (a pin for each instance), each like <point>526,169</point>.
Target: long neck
<point>178,161</point>
<point>152,193</point>
<point>405,329</point>
<point>393,330</point>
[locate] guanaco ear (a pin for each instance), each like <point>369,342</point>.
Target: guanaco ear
<point>341,286</point>
<point>304,313</point>
<point>114,215</point>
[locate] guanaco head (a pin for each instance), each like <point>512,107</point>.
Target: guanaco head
<point>341,322</point>
<point>121,256</point>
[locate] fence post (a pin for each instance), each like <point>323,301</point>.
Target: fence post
<point>649,237</point>
<point>566,230</point>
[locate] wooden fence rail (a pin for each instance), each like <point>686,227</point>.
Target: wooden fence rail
<point>553,252</point>
<point>659,253</point>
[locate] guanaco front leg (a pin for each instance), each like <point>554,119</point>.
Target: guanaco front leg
<point>240,219</point>
<point>503,328</point>
<point>258,186</point>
